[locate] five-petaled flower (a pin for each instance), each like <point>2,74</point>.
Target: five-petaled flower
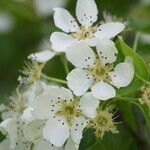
<point>66,115</point>
<point>97,71</point>
<point>87,31</point>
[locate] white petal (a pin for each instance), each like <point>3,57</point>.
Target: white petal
<point>10,126</point>
<point>5,145</point>
<point>42,56</point>
<point>56,93</point>
<point>81,55</point>
<point>61,41</point>
<point>71,145</point>
<point>33,130</point>
<point>45,145</point>
<point>77,128</point>
<point>123,74</point>
<point>107,51</point>
<point>103,91</point>
<point>56,131</point>
<point>109,30</point>
<point>27,114</point>
<point>66,94</point>
<point>64,20</point>
<point>42,109</point>
<point>79,81</point>
<point>86,11</point>
<point>88,104</point>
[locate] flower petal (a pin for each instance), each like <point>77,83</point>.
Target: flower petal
<point>9,126</point>
<point>42,108</point>
<point>79,81</point>
<point>103,91</point>
<point>56,131</point>
<point>64,20</point>
<point>81,55</point>
<point>33,130</point>
<point>27,114</point>
<point>88,104</point>
<point>4,145</point>
<point>61,41</point>
<point>71,145</point>
<point>43,145</point>
<point>109,30</point>
<point>86,12</point>
<point>107,51</point>
<point>42,57</point>
<point>77,128</point>
<point>123,74</point>
<point>66,94</point>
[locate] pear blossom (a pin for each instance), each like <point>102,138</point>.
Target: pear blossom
<point>22,136</point>
<point>87,31</point>
<point>66,116</point>
<point>97,71</point>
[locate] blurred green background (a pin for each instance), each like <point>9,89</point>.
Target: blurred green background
<point>25,27</point>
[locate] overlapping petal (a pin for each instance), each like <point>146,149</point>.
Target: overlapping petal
<point>86,12</point>
<point>61,41</point>
<point>109,30</point>
<point>64,20</point>
<point>123,74</point>
<point>88,105</point>
<point>107,51</point>
<point>81,55</point>
<point>103,91</point>
<point>79,81</point>
<point>56,131</point>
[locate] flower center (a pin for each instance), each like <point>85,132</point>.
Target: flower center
<point>103,122</point>
<point>69,111</point>
<point>84,33</point>
<point>100,72</point>
<point>145,95</point>
<point>32,72</point>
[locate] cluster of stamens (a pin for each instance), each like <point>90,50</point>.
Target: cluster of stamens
<point>145,96</point>
<point>69,110</point>
<point>100,72</point>
<point>31,71</point>
<point>103,122</point>
<point>84,33</point>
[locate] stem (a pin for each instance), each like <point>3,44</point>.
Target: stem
<point>137,36</point>
<point>145,81</point>
<point>54,79</point>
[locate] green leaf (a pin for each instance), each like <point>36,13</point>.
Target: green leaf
<point>144,108</point>
<point>141,71</point>
<point>88,139</point>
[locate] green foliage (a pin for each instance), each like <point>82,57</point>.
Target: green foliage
<point>141,71</point>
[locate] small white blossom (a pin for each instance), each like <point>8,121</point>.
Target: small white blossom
<point>98,72</point>
<point>86,12</point>
<point>66,116</point>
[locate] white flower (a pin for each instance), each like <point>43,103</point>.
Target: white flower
<point>86,12</point>
<point>42,57</point>
<point>98,72</point>
<point>21,136</point>
<point>66,115</point>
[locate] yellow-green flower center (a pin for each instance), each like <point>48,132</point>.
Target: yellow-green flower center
<point>84,33</point>
<point>100,72</point>
<point>145,96</point>
<point>103,122</point>
<point>69,111</point>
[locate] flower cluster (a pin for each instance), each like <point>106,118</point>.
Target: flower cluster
<point>47,116</point>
